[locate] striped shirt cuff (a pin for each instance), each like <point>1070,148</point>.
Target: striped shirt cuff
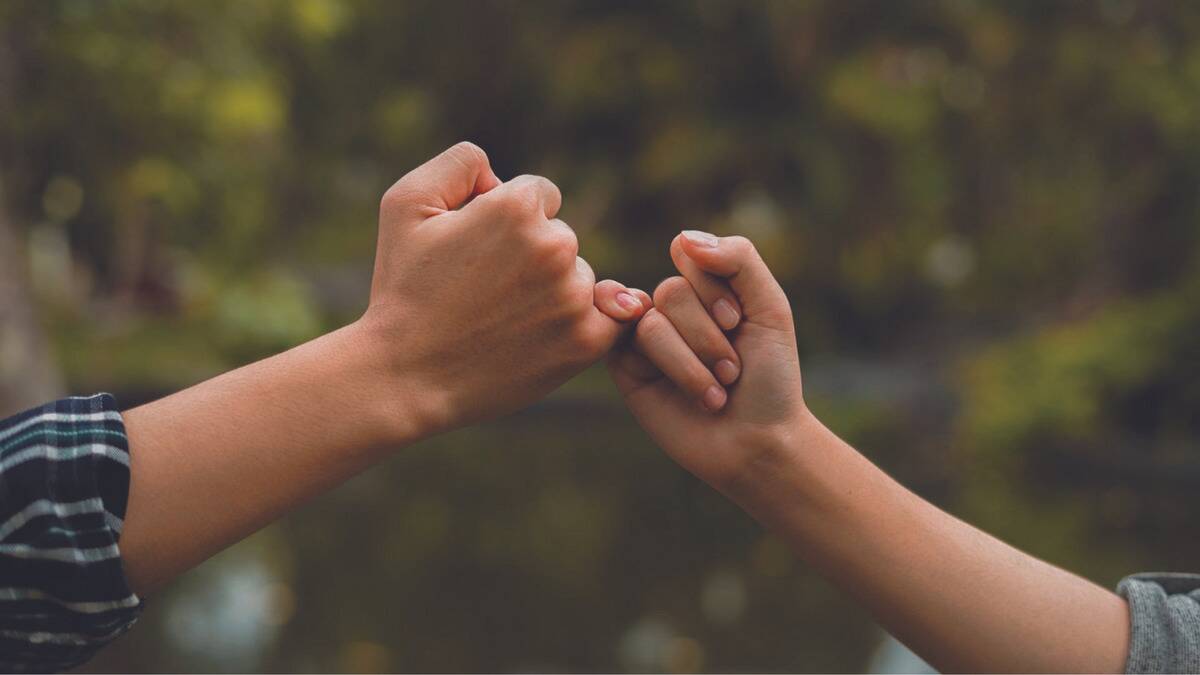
<point>64,483</point>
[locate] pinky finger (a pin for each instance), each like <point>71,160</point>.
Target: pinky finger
<point>620,303</point>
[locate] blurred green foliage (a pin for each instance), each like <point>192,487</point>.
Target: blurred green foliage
<point>985,215</point>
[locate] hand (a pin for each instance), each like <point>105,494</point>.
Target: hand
<point>479,299</point>
<point>675,373</point>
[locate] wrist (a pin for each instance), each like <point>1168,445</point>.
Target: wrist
<point>793,466</point>
<point>401,403</point>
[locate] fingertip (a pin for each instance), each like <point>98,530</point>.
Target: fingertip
<point>701,247</point>
<point>617,302</point>
<point>726,371</point>
<point>609,286</point>
<point>697,239</point>
<point>725,314</point>
<point>714,398</point>
<point>677,247</point>
<point>488,181</point>
<point>629,302</point>
<point>644,297</point>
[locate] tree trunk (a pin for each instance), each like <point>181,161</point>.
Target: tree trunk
<point>28,375</point>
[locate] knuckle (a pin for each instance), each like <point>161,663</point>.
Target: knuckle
<point>567,239</point>
<point>541,183</point>
<point>575,297</point>
<point>399,196</point>
<point>742,246</point>
<point>390,200</point>
<point>525,196</point>
<point>671,291</point>
<point>653,326</point>
<point>468,153</point>
<point>583,295</point>
<point>557,262</point>
<point>551,190</point>
<point>714,347</point>
<point>521,200</point>
<point>558,249</point>
<point>588,342</point>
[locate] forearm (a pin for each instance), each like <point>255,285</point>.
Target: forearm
<point>217,461</point>
<point>962,599</point>
<point>437,347</point>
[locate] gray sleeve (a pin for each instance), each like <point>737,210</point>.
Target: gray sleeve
<point>1164,614</point>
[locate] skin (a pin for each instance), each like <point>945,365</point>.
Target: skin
<point>478,291</point>
<point>479,306</point>
<point>960,598</point>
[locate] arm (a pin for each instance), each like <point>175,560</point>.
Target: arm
<point>479,305</point>
<point>960,598</point>
<point>215,462</point>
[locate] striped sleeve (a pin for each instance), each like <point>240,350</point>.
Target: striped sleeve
<point>64,482</point>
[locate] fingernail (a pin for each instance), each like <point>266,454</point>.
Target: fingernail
<point>726,371</point>
<point>714,398</point>
<point>629,302</point>
<point>726,316</point>
<point>701,238</point>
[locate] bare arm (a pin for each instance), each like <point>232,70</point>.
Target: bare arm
<point>213,463</point>
<point>962,599</point>
<point>479,305</point>
<point>958,597</point>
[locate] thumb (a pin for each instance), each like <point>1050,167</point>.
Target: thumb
<point>737,261</point>
<point>445,182</point>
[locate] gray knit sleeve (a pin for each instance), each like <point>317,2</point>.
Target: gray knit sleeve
<point>1164,611</point>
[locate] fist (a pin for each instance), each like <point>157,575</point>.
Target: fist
<point>712,373</point>
<point>479,294</point>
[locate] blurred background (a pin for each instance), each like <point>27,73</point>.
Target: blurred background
<point>986,215</point>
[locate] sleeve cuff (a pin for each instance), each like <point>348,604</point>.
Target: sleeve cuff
<point>64,484</point>
<point>1164,615</point>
